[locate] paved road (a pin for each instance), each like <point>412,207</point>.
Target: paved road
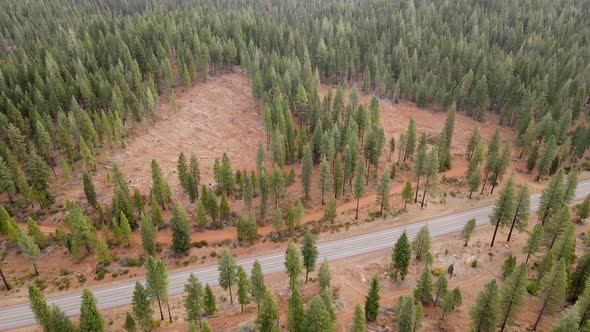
<point>120,294</point>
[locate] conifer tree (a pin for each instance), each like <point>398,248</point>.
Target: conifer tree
<point>126,232</point>
<point>440,288</point>
<point>228,274</point>
<point>383,189</point>
<point>423,290</point>
<point>401,256</point>
<point>293,263</point>
<point>39,307</point>
<point>224,209</point>
<point>421,242</point>
<point>512,298</point>
<point>420,167</point>
<point>565,246</point>
<point>468,230</point>
<point>553,288</point>
<point>39,178</point>
<point>156,213</point>
<point>89,191</point>
<point>160,188</point>
<point>296,312</point>
<point>209,301</point>
<point>59,320</point>
<point>330,210</point>
<point>201,215</point>
<point>277,184</point>
<point>534,242</point>
<point>473,141</point>
<point>504,208</point>
<point>358,320</point>
<point>407,194</point>
<point>546,157</point>
<point>138,202</point>
<point>324,178</point>
<point>359,184</point>
<point>568,321</point>
<point>557,225</point>
<point>451,301</point>
<point>306,171</point>
<point>157,282</point>
<point>141,306</point>
<point>571,185</point>
<point>90,318</point>
<point>248,193</point>
<point>36,234</point>
<point>148,235</point>
<point>522,210</point>
<point>372,300</point>
<point>257,282</point>
<point>183,172</point>
<point>264,191</point>
<point>244,288</point>
<point>485,312</point>
<point>410,140</point>
<point>583,306</point>
<point>310,253</point>
<point>193,300</point>
<point>194,171</point>
<point>551,198</point>
<point>226,174</point>
<point>29,248</point>
<point>492,157</point>
<point>180,231</point>
<point>7,184</point>
<point>129,324</point>
<point>268,313</point>
<point>338,177</point>
<point>406,314</point>
<point>102,251</point>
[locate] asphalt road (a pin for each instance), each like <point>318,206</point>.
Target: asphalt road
<point>120,294</point>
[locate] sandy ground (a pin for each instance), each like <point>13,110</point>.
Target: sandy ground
<point>220,116</point>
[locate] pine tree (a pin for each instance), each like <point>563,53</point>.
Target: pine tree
<point>103,253</point>
<point>583,305</point>
<point>156,213</point>
<point>512,298</point>
<point>7,184</point>
<point>406,314</point>
<point>568,321</point>
<point>39,179</point>
<point>126,232</point>
<point>359,184</point>
<point>440,288</point>
<point>193,300</point>
<point>571,185</point>
<point>372,300</point>
<point>338,177</point>
<point>226,180</point>
<point>492,157</point>
<point>183,173</point>
<point>421,243</point>
<point>485,312</point>
<point>468,229</point>
<point>224,209</point>
<point>268,313</point>
<point>330,210</point>
<point>129,324</point>
<point>534,242</point>
<point>59,320</point>
<point>546,158</point>
<point>473,141</point>
<point>358,320</point>
<point>90,318</point>
<point>423,290</point>
<point>296,312</point>
<point>29,248</point>
<point>401,257</point>
<point>553,288</point>
<point>157,282</point>
<point>39,307</point>
<point>264,191</point>
<point>306,171</point>
<point>557,225</point>
<point>248,193</point>
<point>522,210</point>
<point>324,177</point>
<point>180,231</point>
<point>160,188</point>
<point>257,282</point>
<point>244,288</point>
<point>141,306</point>
<point>310,253</point>
<point>451,300</point>
<point>228,274</point>
<point>36,234</point>
<point>504,208</point>
<point>565,246</point>
<point>420,167</point>
<point>138,201</point>
<point>195,173</point>
<point>209,301</point>
<point>277,185</point>
<point>324,276</point>
<point>410,140</point>
<point>148,235</point>
<point>383,189</point>
<point>407,194</point>
<point>293,263</point>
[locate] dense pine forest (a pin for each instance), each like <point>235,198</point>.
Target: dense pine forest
<point>80,79</point>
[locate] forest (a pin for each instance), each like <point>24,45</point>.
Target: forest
<point>80,81</point>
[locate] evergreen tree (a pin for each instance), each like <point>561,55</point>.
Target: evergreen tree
<point>89,191</point>
<point>473,141</point>
<point>296,312</point>
<point>156,213</point>
<point>420,167</point>
<point>406,314</point>
<point>485,312</point>
<point>534,242</point>
<point>557,225</point>
<point>193,300</point>
<point>224,209</point>
<point>383,189</point>
<point>293,263</point>
<point>546,157</point>
<point>180,231</point>
<point>90,318</point>
<point>148,235</point>
<point>372,300</point>
<point>423,290</point>
<point>248,193</point>
<point>451,301</point>
<point>358,320</point>
<point>103,253</point>
<point>194,172</point>
<point>160,188</point>
<point>468,230</point>
<point>306,171</point>
<point>338,177</point>
<point>141,306</point>
<point>7,184</point>
<point>126,232</point>
<point>440,288</point>
<point>410,139</point>
<point>421,243</point>
<point>157,282</point>
<point>277,185</point>
<point>310,253</point>
<point>129,324</point>
<point>492,157</point>
<point>522,210</point>
<point>226,176</point>
<point>324,276</point>
<point>504,208</point>
<point>359,185</point>
<point>531,161</point>
<point>183,173</point>
<point>29,248</point>
<point>552,293</point>
<point>568,321</point>
<point>330,210</point>
<point>228,273</point>
<point>257,282</point>
<point>401,256</point>
<point>209,301</point>
<point>512,296</point>
<point>36,234</point>
<point>324,177</point>
<point>39,178</point>
<point>244,288</point>
<point>59,320</point>
<point>407,194</point>
<point>39,307</point>
<point>268,313</point>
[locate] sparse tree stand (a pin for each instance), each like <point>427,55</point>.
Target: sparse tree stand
<point>504,208</point>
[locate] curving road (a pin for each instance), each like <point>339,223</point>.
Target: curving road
<point>120,294</point>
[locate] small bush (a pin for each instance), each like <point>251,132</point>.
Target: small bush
<point>474,263</point>
<point>438,271</point>
<point>64,271</point>
<point>81,279</point>
<point>213,253</point>
<point>533,287</point>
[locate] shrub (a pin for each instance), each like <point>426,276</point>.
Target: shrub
<point>474,263</point>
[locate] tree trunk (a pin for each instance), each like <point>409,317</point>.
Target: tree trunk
<point>36,271</point>
<point>405,204</point>
<point>231,299</point>
<point>6,284</point>
<point>494,183</point>
<point>522,151</point>
<point>306,273</point>
<point>505,320</point>
<point>526,262</point>
<point>417,189</point>
<point>495,231</point>
<point>425,189</point>
<point>357,208</point>
<point>169,313</point>
<point>470,193</point>
<point>160,306</point>
<point>436,298</point>
<point>513,223</point>
<point>540,315</point>
<point>368,171</point>
<point>322,196</point>
<point>484,183</point>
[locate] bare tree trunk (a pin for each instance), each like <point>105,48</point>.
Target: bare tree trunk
<point>6,284</point>
<point>495,231</point>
